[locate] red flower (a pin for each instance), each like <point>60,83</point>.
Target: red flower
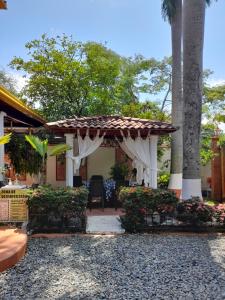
<point>142,211</point>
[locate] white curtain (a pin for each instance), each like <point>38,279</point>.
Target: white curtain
<point>140,149</point>
<point>86,146</point>
<point>137,164</point>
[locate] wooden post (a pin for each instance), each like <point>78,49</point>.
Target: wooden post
<point>216,170</point>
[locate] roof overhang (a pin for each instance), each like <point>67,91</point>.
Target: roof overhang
<point>111,126</point>
<point>17,112</point>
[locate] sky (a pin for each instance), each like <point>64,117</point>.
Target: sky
<point>128,27</point>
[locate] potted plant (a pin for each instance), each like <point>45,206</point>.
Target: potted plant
<point>119,172</point>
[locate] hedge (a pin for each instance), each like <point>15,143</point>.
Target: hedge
<point>57,210</point>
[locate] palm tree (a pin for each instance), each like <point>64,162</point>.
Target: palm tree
<point>3,140</point>
<point>193,27</point>
<point>42,147</point>
<point>172,11</point>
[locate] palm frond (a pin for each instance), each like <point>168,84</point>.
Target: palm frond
<point>5,139</point>
<point>58,149</point>
<point>39,145</point>
<point>168,10</point>
<point>208,2</point>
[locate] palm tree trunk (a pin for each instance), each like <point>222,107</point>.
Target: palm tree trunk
<point>194,20</point>
<point>177,101</point>
<point>43,172</point>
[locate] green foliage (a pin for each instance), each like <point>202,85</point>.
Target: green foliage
<point>163,180</point>
<point>5,139</point>
<point>8,82</point>
<point>168,9</point>
<point>57,210</point>
<point>65,76</point>
<point>42,147</point>
<point>206,152</point>
<point>214,103</point>
<point>58,149</point>
<point>194,212</point>
<point>140,202</point>
<point>68,78</point>
<point>119,171</point>
<point>23,157</point>
<point>145,110</point>
<point>221,141</point>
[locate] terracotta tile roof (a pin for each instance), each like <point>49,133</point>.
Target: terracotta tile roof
<point>111,123</point>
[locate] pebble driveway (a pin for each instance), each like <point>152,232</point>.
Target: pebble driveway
<point>119,267</point>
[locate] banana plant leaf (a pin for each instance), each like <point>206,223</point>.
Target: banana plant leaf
<point>58,149</point>
<point>40,146</point>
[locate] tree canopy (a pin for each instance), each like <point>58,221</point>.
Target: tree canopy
<point>68,78</point>
<point>7,81</point>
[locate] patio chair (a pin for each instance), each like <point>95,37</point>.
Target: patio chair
<point>96,192</point>
<point>77,181</point>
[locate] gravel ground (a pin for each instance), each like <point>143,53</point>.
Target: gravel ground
<point>122,267</point>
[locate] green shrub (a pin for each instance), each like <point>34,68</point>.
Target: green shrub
<point>141,202</point>
<point>163,180</point>
<point>60,209</point>
<point>119,171</point>
<point>194,212</point>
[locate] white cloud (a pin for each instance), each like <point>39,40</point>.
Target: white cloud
<point>216,81</point>
<point>20,80</point>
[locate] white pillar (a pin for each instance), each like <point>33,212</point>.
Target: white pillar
<point>76,153</point>
<point>191,188</point>
<point>2,148</point>
<point>69,161</point>
<point>153,160</point>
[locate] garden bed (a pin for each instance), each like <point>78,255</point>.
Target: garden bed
<point>148,210</point>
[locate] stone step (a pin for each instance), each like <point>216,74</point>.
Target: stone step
<point>104,225</point>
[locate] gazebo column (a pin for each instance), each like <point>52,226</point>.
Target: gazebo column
<point>76,153</point>
<point>2,148</point>
<point>153,160</point>
<point>69,161</point>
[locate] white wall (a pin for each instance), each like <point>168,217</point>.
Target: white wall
<point>205,170</point>
<point>100,162</point>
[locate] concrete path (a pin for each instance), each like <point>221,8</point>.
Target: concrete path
<point>104,225</point>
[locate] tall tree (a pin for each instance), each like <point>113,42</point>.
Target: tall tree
<point>172,11</point>
<point>68,78</point>
<point>7,81</point>
<point>194,21</point>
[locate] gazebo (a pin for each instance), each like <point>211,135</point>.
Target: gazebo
<point>138,138</point>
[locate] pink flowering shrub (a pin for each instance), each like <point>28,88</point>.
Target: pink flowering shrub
<point>140,202</point>
<point>219,213</point>
<point>194,212</point>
